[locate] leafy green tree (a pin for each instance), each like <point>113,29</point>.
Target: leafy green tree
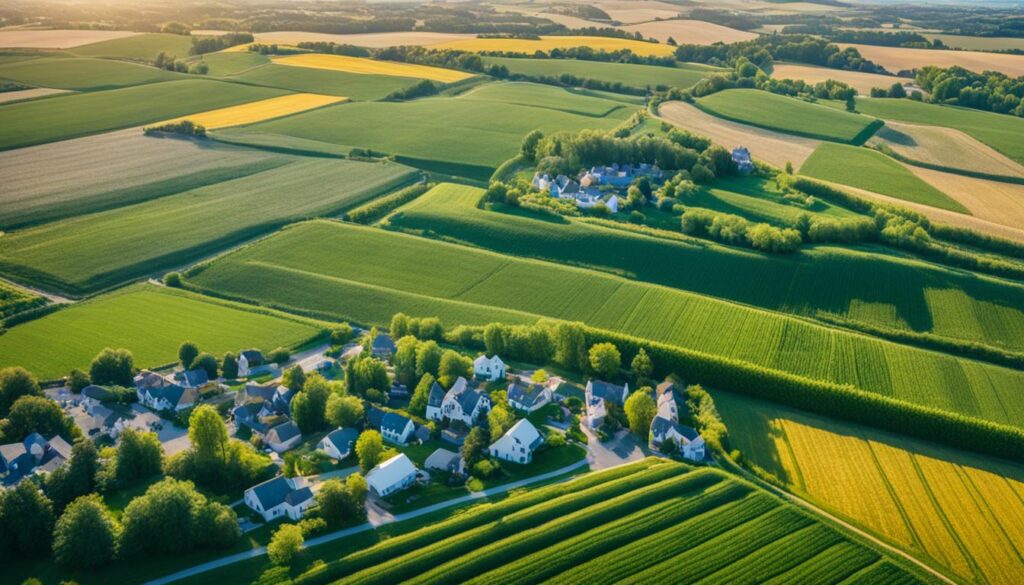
<point>77,380</point>
<point>605,360</point>
<point>528,148</point>
<point>279,356</point>
<point>172,517</point>
<point>428,358</point>
<point>339,501</point>
<point>26,520</point>
<point>344,411</point>
<point>75,479</point>
<point>429,328</point>
<point>420,397</point>
<point>309,407</point>
<point>286,545</point>
<point>341,334</point>
<point>187,353</point>
<point>37,414</point>
<point>640,411</point>
<point>14,383</point>
<point>405,359</point>
<point>453,365</point>
<point>139,455</point>
<point>539,376</point>
<point>86,534</point>
<point>500,420</point>
<point>357,489</point>
<point>475,446</point>
<point>570,345</point>
<point>399,325</point>
<point>642,366</point>
<point>209,436</point>
<point>112,366</point>
<point>371,373</point>
<point>294,378</point>
<point>495,335</point>
<point>369,448</point>
<point>229,366</point>
<point>207,363</point>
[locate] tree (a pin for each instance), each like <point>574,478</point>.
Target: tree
<point>570,345</point>
<point>357,490</point>
<point>286,545</point>
<point>605,359</point>
<point>851,104</point>
<point>139,455</point>
<point>77,381</point>
<point>399,325</point>
<point>27,520</point>
<point>418,402</point>
<point>14,383</point>
<point>209,436</point>
<point>75,479</point>
<point>405,359</point>
<point>475,446</point>
<point>340,501</point>
<point>229,366</point>
<point>495,335</point>
<point>172,279</point>
<point>172,517</point>
<point>309,407</point>
<point>86,534</point>
<point>897,91</point>
<point>279,356</point>
<point>344,411</point>
<point>207,363</point>
<point>37,414</point>
<point>528,148</point>
<point>341,334</point>
<point>369,447</point>
<point>453,365</point>
<point>370,373</point>
<point>642,366</point>
<point>500,420</point>
<point>294,377</point>
<point>112,366</point>
<point>187,354</point>
<point>428,358</point>
<point>640,411</point>
<point>539,376</point>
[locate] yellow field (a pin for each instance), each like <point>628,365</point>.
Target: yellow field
<point>372,67</point>
<point>375,40</point>
<point>895,59</point>
<point>259,111</point>
<point>548,43</point>
<point>964,512</point>
<point>863,82</point>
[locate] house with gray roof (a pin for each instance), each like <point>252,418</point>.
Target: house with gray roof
<point>280,496</point>
<point>382,346</point>
<point>446,461</point>
<point>339,443</point>
<point>195,378</point>
<point>597,394</point>
<point>689,442</point>
<point>33,455</point>
<point>283,436</point>
<point>396,428</point>
<point>434,401</point>
<point>528,396</point>
<point>162,394</point>
<point>464,404</point>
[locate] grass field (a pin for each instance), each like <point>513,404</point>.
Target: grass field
<point>962,511</point>
<point>362,66</point>
<point>90,252</point>
<point>81,74</point>
<point>15,299</point>
<point>224,63</point>
<point>259,111</point>
<point>351,85</point>
<point>628,74</point>
<point>545,43</point>
<point>944,148</point>
<point>84,175</point>
<point>28,94</point>
<point>144,47</point>
<point>71,116</point>
<point>866,169</point>
<point>366,275</point>
<point>149,321</point>
<point>787,114</point>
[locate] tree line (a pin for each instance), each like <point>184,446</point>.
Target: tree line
<point>991,91</point>
<point>766,49</point>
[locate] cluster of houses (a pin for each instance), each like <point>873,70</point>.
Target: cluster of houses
<point>265,409</point>
<point>600,184</point>
<point>34,455</point>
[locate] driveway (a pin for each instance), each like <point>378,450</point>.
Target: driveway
<point>623,448</point>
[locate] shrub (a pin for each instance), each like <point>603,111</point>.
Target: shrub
<point>286,545</point>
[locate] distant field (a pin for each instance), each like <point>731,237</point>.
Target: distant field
<point>375,40</point>
<point>144,47</point>
<point>65,73</point>
<point>28,94</point>
<point>630,75</point>
<point>896,59</point>
<point>864,168</point>
<point>90,252</point>
<point>232,63</point>
<point>690,32</point>
<point>977,43</point>
<point>363,66</point>
<point>305,79</point>
<point>863,82</point>
<point>259,111</point>
<point>367,274</point>
<point>14,299</point>
<point>631,11</point>
<point>947,148</point>
<point>71,116</point>
<point>529,46</point>
<point>58,39</point>
<point>787,114</point>
<point>75,177</point>
<point>961,510</point>
<point>149,321</point>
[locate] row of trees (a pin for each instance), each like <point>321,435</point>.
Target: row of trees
<point>991,90</point>
<point>766,49</point>
<point>733,229</point>
<point>203,45</point>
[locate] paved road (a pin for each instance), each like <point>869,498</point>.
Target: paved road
<point>256,552</point>
<point>623,448</point>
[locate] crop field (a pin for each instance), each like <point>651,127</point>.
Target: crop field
<point>866,169</point>
<point>366,275</point>
<point>362,66</point>
<point>546,43</point>
<point>71,116</point>
<point>224,63</point>
<point>863,82</point>
<point>58,38</point>
<point>72,73</point>
<point>994,201</point>
<point>964,512</point>
<point>260,111</point>
<point>306,79</point>
<point>84,175</point>
<point>977,43</point>
<point>690,32</point>
<point>144,47</point>
<point>662,518</point>
<point>374,40</point>
<point>897,59</point>
<point>630,11</point>
<point>683,75</point>
<point>946,148</point>
<point>757,201</point>
<point>89,252</point>
<point>149,321</point>
<point>28,94</point>
<point>787,114</point>
<point>15,299</point>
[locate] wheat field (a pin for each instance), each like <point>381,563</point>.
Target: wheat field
<point>529,46</point>
<point>259,111</point>
<point>372,67</point>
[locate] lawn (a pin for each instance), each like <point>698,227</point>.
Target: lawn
<point>63,117</point>
<point>366,275</point>
<point>351,85</point>
<point>873,171</point>
<point>639,76</point>
<point>149,321</point>
<point>957,509</point>
<point>83,74</point>
<point>90,252</point>
<point>788,114</point>
<point>143,47</point>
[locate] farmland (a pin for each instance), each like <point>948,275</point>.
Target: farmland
<point>14,299</point>
<point>994,201</point>
<point>863,82</point>
<point>144,47</point>
<point>376,40</point>
<point>366,275</point>
<point>58,38</point>
<point>71,116</point>
<point>546,43</point>
<point>977,43</point>
<point>259,111</point>
<point>961,511</point>
<point>866,169</point>
<point>351,85</point>
<point>28,94</point>
<point>944,148</point>
<point>223,63</point>
<point>149,321</point>
<point>363,66</point>
<point>896,59</point>
<point>786,114</point>
<point>90,252</point>
<point>72,73</point>
<point>683,75</point>
<point>691,32</point>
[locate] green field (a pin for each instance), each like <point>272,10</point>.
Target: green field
<point>1000,131</point>
<point>481,129</point>
<point>64,117</point>
<point>867,169</point>
<point>143,47</point>
<point>366,275</point>
<point>83,74</point>
<point>630,75</point>
<point>787,114</point>
<point>14,299</point>
<point>306,79</point>
<point>151,322</point>
<point>94,251</point>
<point>232,62</point>
<point>759,200</point>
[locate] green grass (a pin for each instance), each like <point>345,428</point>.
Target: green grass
<point>366,275</point>
<point>627,74</point>
<point>867,169</point>
<point>90,252</point>
<point>306,79</point>
<point>63,117</point>
<point>83,74</point>
<point>758,200</point>
<point>481,128</point>
<point>1000,131</point>
<point>149,321</point>
<point>787,114</point>
<point>231,63</point>
<point>15,299</point>
<point>143,47</point>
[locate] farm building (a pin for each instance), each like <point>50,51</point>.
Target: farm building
<point>596,394</point>
<point>392,475</point>
<point>527,396</point>
<point>488,368</point>
<point>158,393</point>
<point>396,428</point>
<point>32,455</point>
<point>518,443</point>
<point>741,156</point>
<point>339,443</point>
<point>461,403</point>
<point>280,496</point>
<point>446,461</point>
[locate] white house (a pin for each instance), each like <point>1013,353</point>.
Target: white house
<point>396,428</point>
<point>392,475</point>
<point>339,443</point>
<point>283,437</point>
<point>528,396</point>
<point>434,401</point>
<point>689,441</point>
<point>518,443</point>
<point>463,403</point>
<point>167,397</point>
<point>597,393</point>
<point>248,360</point>
<point>741,156</point>
<point>280,496</point>
<point>488,368</point>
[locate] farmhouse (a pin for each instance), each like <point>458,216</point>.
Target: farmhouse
<point>107,421</point>
<point>599,185</point>
<point>32,455</point>
<point>382,346</point>
<point>158,393</point>
<point>446,461</point>
<point>250,361</point>
<point>396,428</point>
<point>392,475</point>
<point>283,436</point>
<point>597,393</point>
<point>192,378</point>
<point>462,403</point>
<point>527,396</point>
<point>518,443</point>
<point>488,369</point>
<point>741,156</point>
<point>689,441</point>
<point>254,416</point>
<point>280,496</point>
<point>339,443</point>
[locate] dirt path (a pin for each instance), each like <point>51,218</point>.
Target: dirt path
<point>52,297</point>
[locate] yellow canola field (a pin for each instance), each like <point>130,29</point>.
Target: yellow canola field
<point>259,111</point>
<point>360,65</point>
<point>556,42</point>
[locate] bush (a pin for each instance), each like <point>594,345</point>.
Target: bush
<point>286,545</point>
<point>184,127</point>
<point>485,469</point>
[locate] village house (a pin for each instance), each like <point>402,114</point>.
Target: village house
<point>461,403</point>
<point>382,346</point>
<point>339,443</point>
<point>250,361</point>
<point>518,443</point>
<point>283,437</point>
<point>741,156</point>
<point>596,394</point>
<point>391,476</point>
<point>158,393</point>
<point>196,378</point>
<point>446,461</point>
<point>434,401</point>
<point>528,396</point>
<point>488,369</point>
<point>280,496</point>
<point>33,455</point>
<point>598,185</point>
<point>396,428</point>
<point>666,426</point>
